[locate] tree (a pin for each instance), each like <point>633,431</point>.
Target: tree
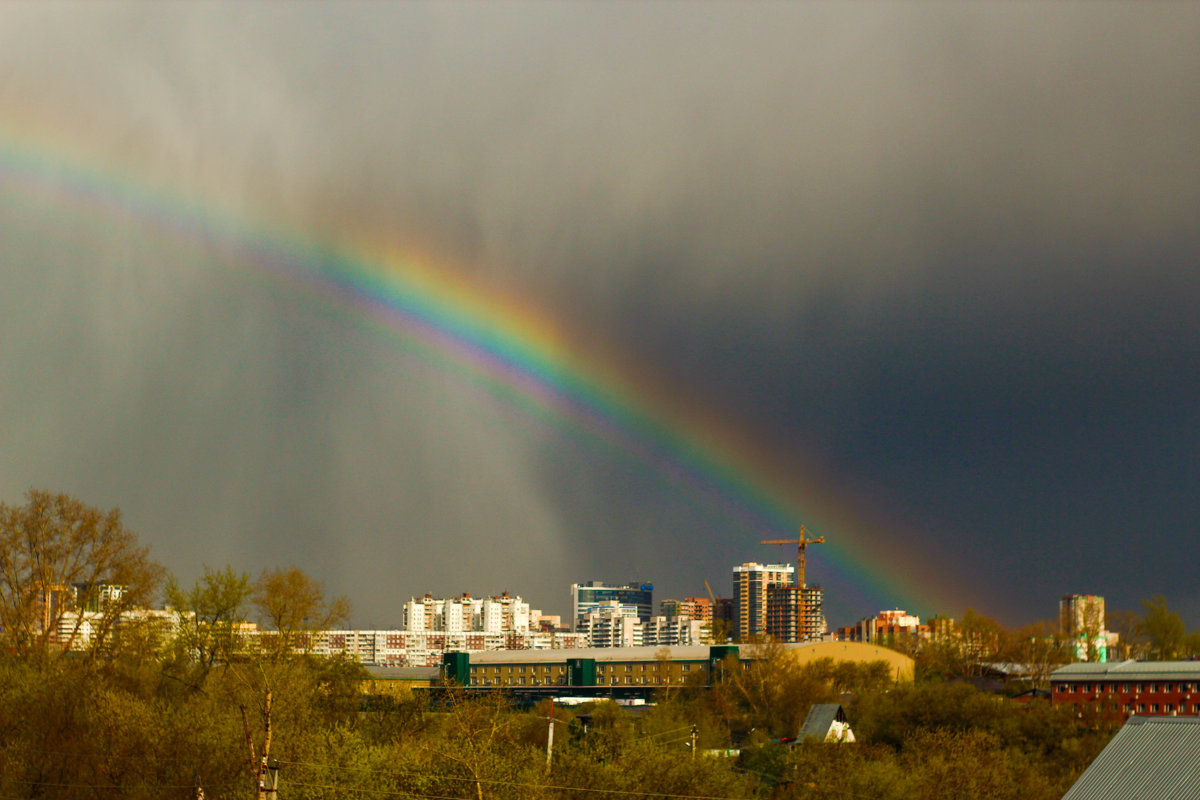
<point>1040,648</point>
<point>1164,628</point>
<point>210,612</point>
<point>68,572</point>
<point>1130,632</point>
<point>294,605</point>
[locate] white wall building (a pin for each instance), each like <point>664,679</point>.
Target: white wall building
<point>672,631</point>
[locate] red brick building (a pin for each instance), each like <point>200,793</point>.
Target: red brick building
<point>1148,688</point>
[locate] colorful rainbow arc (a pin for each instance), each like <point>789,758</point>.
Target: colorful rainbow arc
<point>506,349</point>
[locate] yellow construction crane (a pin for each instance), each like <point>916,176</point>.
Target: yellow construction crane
<point>800,543</point>
<point>718,631</point>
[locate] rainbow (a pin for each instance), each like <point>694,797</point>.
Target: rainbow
<point>500,346</point>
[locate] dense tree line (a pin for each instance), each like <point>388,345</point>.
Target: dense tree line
<point>145,715</point>
<point>127,727</point>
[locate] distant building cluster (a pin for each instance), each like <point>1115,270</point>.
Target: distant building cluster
<point>621,616</point>
<point>890,625</point>
<point>766,605</point>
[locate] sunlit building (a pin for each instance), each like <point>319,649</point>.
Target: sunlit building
<point>637,598</point>
<point>795,613</point>
<point>751,583</point>
<point>1081,621</point>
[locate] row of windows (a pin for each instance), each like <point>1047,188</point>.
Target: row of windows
<point>627,680</point>
<point>1140,688</point>
<point>546,670</point>
<point>1145,708</point>
<point>561,669</point>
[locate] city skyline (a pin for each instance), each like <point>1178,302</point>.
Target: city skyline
<point>504,296</point>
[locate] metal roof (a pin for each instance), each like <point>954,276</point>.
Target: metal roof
<point>1128,670</point>
<point>820,718</point>
<point>601,654</point>
<point>649,653</point>
<point>1149,758</point>
<point>403,673</point>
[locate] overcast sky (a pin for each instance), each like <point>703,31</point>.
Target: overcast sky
<point>942,258</point>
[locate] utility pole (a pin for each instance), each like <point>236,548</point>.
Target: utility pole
<point>800,543</point>
<point>550,736</point>
<point>693,743</point>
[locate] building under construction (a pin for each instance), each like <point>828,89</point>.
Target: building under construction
<point>795,613</point>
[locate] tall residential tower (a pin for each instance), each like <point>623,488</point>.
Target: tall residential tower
<point>750,588</point>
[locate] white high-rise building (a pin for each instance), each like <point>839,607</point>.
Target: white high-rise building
<point>504,613</point>
<point>612,625</point>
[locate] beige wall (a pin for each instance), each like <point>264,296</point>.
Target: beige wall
<point>902,665</point>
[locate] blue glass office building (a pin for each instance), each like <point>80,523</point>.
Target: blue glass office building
<point>637,598</point>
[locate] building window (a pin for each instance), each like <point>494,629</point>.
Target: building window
<point>1168,708</point>
<point>1154,708</point>
<point>1125,687</point>
<point>1141,708</point>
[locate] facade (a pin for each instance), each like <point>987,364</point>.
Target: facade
<point>646,666</point>
<point>750,584</point>
<point>1145,688</point>
<point>675,631</point>
<point>795,613</point>
<point>611,625</point>
<point>465,614</point>
<point>697,608</point>
<point>888,625</point>
<point>1081,620</point>
<point>615,626</point>
<point>615,666</point>
<point>635,597</point>
<point>401,648</point>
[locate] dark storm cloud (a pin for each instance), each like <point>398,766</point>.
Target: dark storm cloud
<point>946,253</point>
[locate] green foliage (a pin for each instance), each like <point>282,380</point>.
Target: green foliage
<point>149,717</point>
<point>209,614</point>
<point>291,604</point>
<point>1164,629</point>
<point>770,696</point>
